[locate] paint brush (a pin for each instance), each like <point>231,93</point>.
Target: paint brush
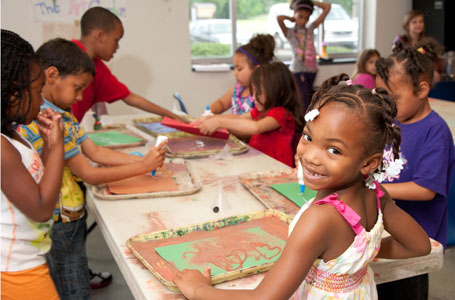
<point>300,177</point>
<point>159,140</point>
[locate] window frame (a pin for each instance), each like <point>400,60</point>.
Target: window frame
<point>233,18</point>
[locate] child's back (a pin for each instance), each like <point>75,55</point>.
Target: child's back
<point>324,278</point>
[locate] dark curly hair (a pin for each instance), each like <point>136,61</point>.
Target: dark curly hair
<point>261,48</point>
<point>376,108</point>
<point>17,58</point>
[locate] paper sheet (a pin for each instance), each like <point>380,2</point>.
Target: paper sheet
<point>162,181</point>
<point>291,190</point>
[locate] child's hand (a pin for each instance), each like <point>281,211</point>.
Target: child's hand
<point>155,157</point>
<point>189,281</point>
<point>207,124</point>
<point>200,120</point>
<point>51,127</point>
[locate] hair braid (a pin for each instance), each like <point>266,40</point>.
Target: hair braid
<point>376,110</point>
<point>16,57</point>
<point>393,132</point>
<point>416,65</point>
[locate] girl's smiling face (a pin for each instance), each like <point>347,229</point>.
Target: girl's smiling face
<point>331,149</point>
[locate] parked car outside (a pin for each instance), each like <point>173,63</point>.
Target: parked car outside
<point>215,31</point>
<point>340,29</point>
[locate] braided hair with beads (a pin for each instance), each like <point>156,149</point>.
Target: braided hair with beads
<point>375,107</point>
<point>17,57</point>
<point>416,63</point>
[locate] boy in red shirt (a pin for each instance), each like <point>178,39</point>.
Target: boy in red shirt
<point>101,32</point>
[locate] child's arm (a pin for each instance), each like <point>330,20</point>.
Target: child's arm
<point>106,156</point>
<point>280,20</point>
<point>82,168</point>
<point>309,239</point>
<point>142,103</point>
<point>325,10</point>
<point>242,125</point>
<point>36,201</point>
<point>407,238</point>
<point>409,191</point>
<point>223,103</point>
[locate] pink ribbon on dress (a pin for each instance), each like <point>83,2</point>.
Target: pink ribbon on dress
<point>348,213</point>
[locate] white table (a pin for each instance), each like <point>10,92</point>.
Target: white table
<point>121,219</point>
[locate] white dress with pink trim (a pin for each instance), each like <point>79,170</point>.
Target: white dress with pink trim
<point>347,276</point>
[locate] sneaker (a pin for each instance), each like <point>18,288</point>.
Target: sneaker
<point>99,280</point>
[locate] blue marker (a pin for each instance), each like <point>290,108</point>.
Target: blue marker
<point>300,177</point>
<point>159,140</point>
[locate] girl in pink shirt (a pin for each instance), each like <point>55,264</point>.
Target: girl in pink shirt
<point>365,72</point>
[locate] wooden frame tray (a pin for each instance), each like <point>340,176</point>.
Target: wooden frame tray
<point>237,146</point>
<point>123,129</point>
<point>258,183</point>
<point>165,271</point>
<point>186,180</point>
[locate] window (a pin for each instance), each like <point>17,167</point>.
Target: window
<point>218,27</point>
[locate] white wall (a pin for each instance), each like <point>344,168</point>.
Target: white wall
<point>154,55</point>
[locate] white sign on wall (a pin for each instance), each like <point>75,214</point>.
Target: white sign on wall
<point>71,10</point>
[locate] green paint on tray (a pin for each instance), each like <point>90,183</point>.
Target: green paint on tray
<point>257,247</point>
<point>110,138</point>
<point>291,190</point>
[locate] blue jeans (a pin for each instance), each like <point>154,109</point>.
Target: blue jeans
<point>67,259</point>
<point>305,83</point>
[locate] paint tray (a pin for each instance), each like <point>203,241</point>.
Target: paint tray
<point>152,126</point>
<point>271,221</point>
<point>186,145</point>
<point>183,175</point>
<point>258,184</point>
<point>115,138</point>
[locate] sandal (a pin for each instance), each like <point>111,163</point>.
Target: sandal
<point>99,280</point>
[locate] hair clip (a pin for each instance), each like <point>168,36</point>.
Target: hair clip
<point>373,91</point>
<point>311,115</point>
<point>421,50</point>
<point>349,82</point>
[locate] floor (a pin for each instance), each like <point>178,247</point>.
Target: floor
<point>100,259</point>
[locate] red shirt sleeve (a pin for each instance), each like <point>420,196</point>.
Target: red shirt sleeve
<point>105,87</point>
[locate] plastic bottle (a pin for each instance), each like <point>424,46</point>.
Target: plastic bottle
<point>207,111</point>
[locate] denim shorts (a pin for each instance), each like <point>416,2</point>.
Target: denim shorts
<point>67,259</point>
